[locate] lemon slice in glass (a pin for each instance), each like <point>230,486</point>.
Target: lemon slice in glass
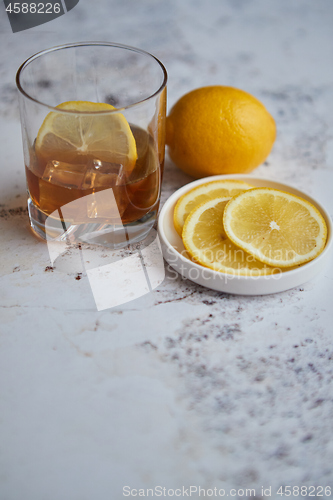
<point>86,131</point>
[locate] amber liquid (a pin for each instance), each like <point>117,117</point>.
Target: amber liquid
<point>136,194</point>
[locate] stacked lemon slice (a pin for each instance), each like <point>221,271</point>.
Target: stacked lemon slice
<point>232,227</point>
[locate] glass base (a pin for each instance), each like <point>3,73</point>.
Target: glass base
<point>109,235</point>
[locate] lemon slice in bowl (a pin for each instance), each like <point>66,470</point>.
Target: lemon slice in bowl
<point>207,243</point>
<point>205,192</point>
<point>86,131</point>
<point>277,228</point>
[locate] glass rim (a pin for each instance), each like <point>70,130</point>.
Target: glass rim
<point>87,44</point>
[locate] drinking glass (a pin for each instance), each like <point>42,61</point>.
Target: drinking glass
<point>94,171</point>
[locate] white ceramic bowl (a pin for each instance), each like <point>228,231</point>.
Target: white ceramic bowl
<point>172,246</point>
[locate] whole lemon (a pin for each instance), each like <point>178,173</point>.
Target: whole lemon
<point>219,130</point>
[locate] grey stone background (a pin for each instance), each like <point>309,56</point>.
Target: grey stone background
<point>185,385</point>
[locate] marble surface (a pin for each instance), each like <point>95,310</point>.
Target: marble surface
<point>184,386</point>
